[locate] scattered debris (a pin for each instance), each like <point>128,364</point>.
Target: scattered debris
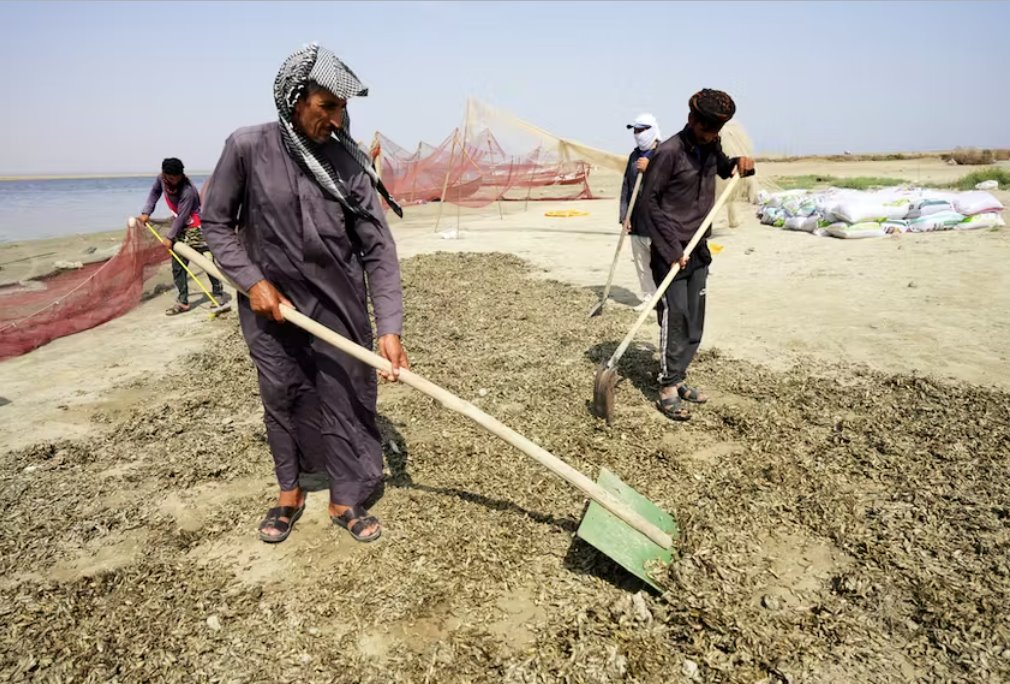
<point>857,502</point>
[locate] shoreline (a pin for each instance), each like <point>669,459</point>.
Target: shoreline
<point>10,178</point>
<point>33,259</point>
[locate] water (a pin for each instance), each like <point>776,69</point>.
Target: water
<point>35,209</point>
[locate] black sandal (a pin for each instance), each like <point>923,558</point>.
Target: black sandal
<point>671,408</point>
<point>690,394</point>
<point>361,519</point>
<point>273,521</point>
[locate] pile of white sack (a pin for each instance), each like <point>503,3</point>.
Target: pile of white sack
<point>845,213</point>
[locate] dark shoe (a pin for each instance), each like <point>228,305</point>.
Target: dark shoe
<point>355,519</point>
<point>690,394</point>
<point>672,409</point>
<point>273,521</point>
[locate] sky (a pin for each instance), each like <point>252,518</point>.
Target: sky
<point>95,87</point>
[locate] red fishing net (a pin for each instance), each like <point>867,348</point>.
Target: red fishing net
<point>37,311</point>
<point>477,172</point>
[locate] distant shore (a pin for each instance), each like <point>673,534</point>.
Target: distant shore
<point>999,155</point>
<point>89,176</point>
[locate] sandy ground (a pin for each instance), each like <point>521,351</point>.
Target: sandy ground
<point>929,304</point>
<point>933,304</point>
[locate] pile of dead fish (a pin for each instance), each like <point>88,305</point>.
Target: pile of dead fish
<point>838,524</point>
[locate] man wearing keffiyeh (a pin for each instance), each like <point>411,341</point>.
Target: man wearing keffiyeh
<point>292,215</point>
<point>678,191</point>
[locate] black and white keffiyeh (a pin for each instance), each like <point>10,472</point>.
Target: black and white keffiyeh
<point>318,65</point>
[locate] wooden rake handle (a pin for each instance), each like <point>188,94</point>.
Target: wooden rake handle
<point>620,239</point>
<point>192,275</point>
<point>661,290</point>
<point>451,401</point>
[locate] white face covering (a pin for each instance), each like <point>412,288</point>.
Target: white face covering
<point>647,138</point>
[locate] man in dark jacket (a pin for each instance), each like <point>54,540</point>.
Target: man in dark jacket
<point>678,193</point>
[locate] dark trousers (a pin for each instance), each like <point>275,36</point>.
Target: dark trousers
<point>681,314</point>
<point>319,406</point>
<point>181,279</point>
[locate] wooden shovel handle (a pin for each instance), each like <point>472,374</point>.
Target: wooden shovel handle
<point>620,239</point>
<point>451,401</point>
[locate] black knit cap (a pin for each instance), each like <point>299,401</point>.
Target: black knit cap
<point>172,166</point>
<point>712,107</point>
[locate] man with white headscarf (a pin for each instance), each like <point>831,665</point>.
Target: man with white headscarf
<point>292,215</point>
<point>647,137</point>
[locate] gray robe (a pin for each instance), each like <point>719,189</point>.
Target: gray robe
<point>263,218</point>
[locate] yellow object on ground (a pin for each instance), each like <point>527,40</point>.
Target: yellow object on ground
<point>565,213</point>
<point>715,248</point>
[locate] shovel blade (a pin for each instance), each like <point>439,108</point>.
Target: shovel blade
<point>597,308</point>
<point>620,542</point>
<point>603,392</point>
